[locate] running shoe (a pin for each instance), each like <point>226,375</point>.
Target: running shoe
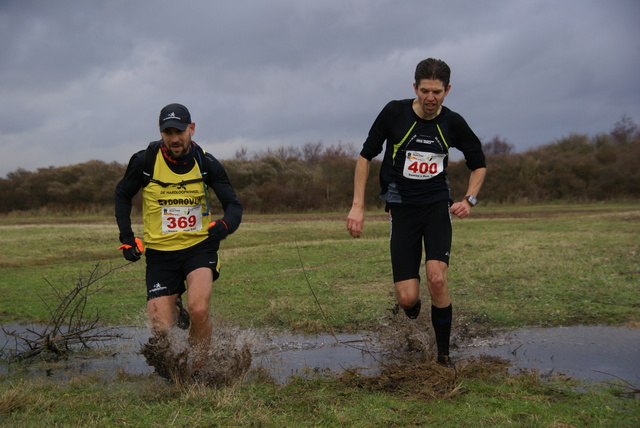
<point>445,361</point>
<point>414,311</point>
<point>183,321</point>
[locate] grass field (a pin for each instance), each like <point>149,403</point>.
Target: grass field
<point>546,265</point>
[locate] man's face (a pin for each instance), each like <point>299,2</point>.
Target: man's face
<point>430,95</point>
<point>178,142</point>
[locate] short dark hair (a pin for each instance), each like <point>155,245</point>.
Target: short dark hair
<point>434,69</point>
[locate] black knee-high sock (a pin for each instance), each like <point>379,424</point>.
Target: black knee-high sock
<point>441,321</point>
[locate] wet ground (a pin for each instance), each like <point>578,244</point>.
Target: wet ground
<point>589,353</point>
<point>586,353</point>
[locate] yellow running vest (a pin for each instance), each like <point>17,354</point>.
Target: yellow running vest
<point>174,216</point>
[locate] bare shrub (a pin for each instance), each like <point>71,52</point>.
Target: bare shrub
<point>69,324</point>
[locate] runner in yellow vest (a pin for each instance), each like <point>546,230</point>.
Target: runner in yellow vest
<point>180,237</point>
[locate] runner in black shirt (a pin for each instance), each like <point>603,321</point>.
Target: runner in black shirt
<point>419,134</point>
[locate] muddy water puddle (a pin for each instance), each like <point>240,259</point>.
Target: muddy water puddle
<point>592,353</point>
<point>587,353</point>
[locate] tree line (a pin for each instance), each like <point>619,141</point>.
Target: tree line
<point>319,177</point>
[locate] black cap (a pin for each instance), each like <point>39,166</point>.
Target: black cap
<point>174,116</point>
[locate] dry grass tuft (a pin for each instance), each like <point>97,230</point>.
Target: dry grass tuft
<point>427,380</point>
<point>11,400</point>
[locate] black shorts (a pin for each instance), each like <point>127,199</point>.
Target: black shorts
<point>411,226</point>
<point>168,270</point>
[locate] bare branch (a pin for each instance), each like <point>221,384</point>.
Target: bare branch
<point>68,326</point>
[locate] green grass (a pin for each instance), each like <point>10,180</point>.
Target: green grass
<point>516,401</point>
<point>549,267</point>
<point>511,267</point>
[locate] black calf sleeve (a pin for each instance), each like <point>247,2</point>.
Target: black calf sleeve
<point>441,321</point>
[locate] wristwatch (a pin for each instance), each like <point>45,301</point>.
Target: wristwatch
<point>472,200</point>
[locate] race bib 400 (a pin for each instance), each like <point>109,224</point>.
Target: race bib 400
<point>423,165</point>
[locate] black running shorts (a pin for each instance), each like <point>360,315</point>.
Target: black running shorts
<point>168,270</point>
<point>411,226</point>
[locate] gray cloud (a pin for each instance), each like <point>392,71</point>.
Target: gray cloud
<point>86,80</point>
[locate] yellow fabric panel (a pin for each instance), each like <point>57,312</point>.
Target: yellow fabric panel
<point>179,201</point>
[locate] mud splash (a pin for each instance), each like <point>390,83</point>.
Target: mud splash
<point>225,362</point>
<point>586,353</point>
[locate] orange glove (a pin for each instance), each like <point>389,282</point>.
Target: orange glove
<point>218,230</point>
<point>132,250</point>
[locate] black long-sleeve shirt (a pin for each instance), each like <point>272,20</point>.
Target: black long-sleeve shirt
<point>134,180</point>
<point>404,131</point>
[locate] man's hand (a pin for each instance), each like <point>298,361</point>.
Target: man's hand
<point>461,209</point>
<point>355,221</point>
<point>132,249</point>
<point>218,230</point>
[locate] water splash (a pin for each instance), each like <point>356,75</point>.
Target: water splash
<point>225,361</point>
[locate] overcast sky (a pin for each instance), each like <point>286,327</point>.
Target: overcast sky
<point>83,80</point>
